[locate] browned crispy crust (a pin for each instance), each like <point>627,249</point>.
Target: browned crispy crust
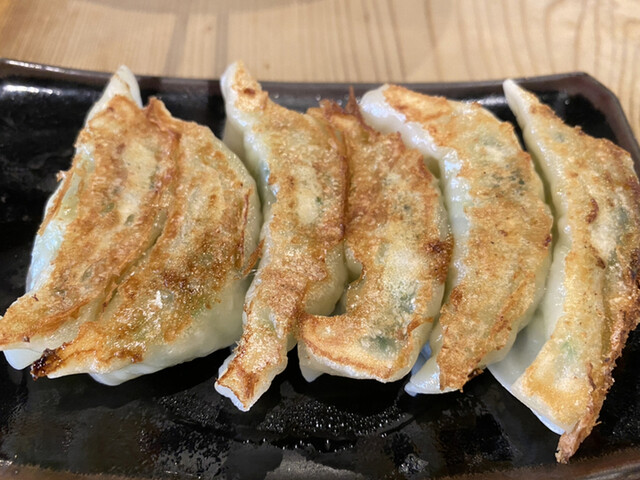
<point>99,245</point>
<point>198,253</point>
<point>626,319</point>
<point>293,271</point>
<point>603,300</point>
<point>393,208</point>
<point>509,233</point>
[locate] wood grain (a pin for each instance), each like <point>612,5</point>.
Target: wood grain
<point>336,40</point>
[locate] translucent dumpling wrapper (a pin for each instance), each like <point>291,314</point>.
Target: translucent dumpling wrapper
<point>106,213</point>
<point>181,297</point>
<point>500,224</point>
<point>398,249</point>
<point>561,365</point>
<point>302,178</point>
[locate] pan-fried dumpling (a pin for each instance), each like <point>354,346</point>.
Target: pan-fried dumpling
<point>303,185</point>
<point>183,299</point>
<point>500,223</point>
<point>398,249</point>
<point>561,365</point>
<point>107,211</point>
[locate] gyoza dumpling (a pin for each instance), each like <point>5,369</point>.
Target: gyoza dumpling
<point>561,365</point>
<point>183,299</point>
<point>107,211</point>
<point>303,183</point>
<point>500,223</point>
<point>398,249</point>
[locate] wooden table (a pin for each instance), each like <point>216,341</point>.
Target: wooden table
<point>336,40</point>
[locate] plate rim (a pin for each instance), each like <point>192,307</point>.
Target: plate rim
<point>627,460</point>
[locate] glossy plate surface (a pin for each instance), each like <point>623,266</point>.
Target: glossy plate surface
<point>173,424</point>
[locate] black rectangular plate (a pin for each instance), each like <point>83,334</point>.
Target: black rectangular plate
<point>173,424</point>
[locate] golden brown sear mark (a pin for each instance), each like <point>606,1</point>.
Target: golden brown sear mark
<point>398,246</point>
<point>302,267</point>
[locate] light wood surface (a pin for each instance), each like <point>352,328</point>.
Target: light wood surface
<point>336,40</point>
